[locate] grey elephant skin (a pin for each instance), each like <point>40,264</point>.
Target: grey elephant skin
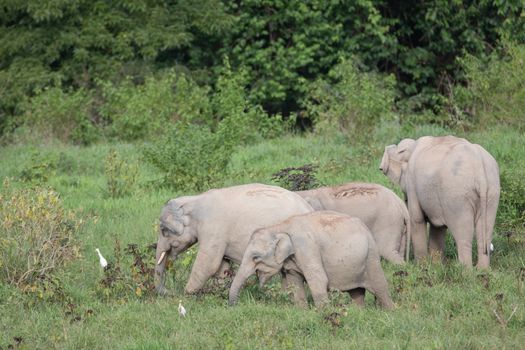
<point>449,183</point>
<point>325,248</point>
<point>221,221</point>
<point>382,211</point>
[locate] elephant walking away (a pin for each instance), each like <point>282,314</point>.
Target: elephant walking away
<point>221,221</point>
<point>449,183</point>
<point>326,248</point>
<point>384,213</point>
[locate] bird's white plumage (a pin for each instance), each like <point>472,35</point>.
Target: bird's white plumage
<point>491,247</point>
<point>182,310</point>
<point>103,262</point>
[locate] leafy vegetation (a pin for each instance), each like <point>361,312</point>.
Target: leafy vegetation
<point>436,305</point>
<point>109,109</point>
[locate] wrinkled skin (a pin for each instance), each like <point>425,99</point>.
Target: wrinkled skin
<point>382,211</point>
<point>449,183</point>
<point>324,248</point>
<point>221,221</point>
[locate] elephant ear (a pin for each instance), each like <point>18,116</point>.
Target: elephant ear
<point>405,148</point>
<point>283,247</point>
<point>173,219</point>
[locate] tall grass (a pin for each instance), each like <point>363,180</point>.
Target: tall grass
<point>437,306</point>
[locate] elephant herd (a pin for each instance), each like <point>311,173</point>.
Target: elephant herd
<point>334,237</point>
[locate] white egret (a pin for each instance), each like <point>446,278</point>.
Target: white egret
<point>182,310</point>
<point>491,247</point>
<point>103,262</point>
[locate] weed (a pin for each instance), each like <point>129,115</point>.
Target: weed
<point>38,234</point>
<point>121,176</point>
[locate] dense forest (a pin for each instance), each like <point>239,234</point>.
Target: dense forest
<point>86,62</point>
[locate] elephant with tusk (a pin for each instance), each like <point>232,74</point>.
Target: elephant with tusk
<point>221,221</point>
<point>449,183</point>
<point>326,249</point>
<point>382,211</point>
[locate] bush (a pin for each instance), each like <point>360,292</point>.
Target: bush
<point>143,111</point>
<point>297,179</point>
<point>37,234</point>
<point>494,92</point>
<point>121,176</point>
<point>511,211</point>
<point>190,156</point>
<point>353,101</point>
<point>53,113</point>
<point>193,156</point>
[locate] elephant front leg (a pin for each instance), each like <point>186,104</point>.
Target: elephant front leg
<point>318,283</point>
<point>358,296</point>
<point>295,282</point>
<point>437,242</point>
<point>206,264</point>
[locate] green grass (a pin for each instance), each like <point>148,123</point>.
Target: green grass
<point>437,306</point>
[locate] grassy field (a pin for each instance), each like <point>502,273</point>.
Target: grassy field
<point>437,306</point>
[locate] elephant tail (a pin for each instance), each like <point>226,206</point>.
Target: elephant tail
<point>407,233</point>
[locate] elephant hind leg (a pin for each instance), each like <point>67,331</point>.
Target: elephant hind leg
<point>358,296</point>
<point>377,283</point>
<point>462,228</point>
<point>437,242</point>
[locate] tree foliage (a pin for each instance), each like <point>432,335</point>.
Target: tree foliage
<point>281,47</point>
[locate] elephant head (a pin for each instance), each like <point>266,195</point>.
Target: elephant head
<point>176,234</point>
<point>395,160</point>
<point>264,256</point>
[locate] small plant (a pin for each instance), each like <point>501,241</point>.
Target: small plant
<point>37,234</point>
<point>40,169</point>
<point>124,283</point>
<point>121,176</point>
<point>297,179</point>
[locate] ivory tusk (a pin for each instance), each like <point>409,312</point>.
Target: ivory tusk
<point>161,258</point>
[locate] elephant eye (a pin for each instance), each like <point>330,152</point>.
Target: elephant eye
<point>257,258</point>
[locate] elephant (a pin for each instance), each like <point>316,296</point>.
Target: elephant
<point>326,249</point>
<point>385,214</point>
<point>449,183</point>
<point>221,221</point>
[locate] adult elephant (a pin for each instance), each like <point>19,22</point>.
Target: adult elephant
<point>382,211</point>
<point>448,182</point>
<point>221,221</point>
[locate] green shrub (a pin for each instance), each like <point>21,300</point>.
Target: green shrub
<point>511,211</point>
<point>143,111</point>
<point>37,234</point>
<point>121,176</point>
<point>55,114</point>
<point>193,156</point>
<point>494,92</point>
<point>353,101</point>
<point>190,156</point>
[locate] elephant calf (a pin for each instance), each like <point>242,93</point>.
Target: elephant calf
<point>325,248</point>
<point>382,211</point>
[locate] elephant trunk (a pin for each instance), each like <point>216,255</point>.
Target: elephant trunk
<point>245,271</point>
<point>160,270</point>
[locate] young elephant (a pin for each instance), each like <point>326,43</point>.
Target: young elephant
<point>382,211</point>
<point>325,248</point>
<point>221,221</point>
<point>448,182</point>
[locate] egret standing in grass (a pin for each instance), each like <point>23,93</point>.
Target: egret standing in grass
<point>182,310</point>
<point>103,262</point>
